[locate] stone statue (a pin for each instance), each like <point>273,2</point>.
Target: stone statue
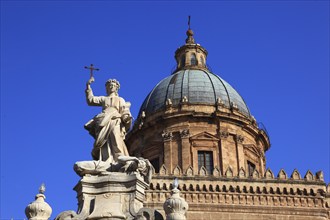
<point>113,184</point>
<point>108,127</point>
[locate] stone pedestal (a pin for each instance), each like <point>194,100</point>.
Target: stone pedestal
<point>112,196</point>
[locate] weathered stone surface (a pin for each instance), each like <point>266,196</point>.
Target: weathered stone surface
<point>175,207</point>
<point>113,185</point>
<point>39,209</point>
<point>237,184</point>
<point>239,198</point>
<point>109,127</point>
<point>113,196</point>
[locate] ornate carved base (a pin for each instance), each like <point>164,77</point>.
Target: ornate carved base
<point>112,196</point>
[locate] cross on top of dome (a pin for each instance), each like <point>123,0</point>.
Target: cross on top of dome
<point>190,34</point>
<point>190,55</point>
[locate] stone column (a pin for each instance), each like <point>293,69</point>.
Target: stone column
<point>224,160</point>
<point>262,164</point>
<point>186,151</point>
<point>168,151</point>
<point>240,151</point>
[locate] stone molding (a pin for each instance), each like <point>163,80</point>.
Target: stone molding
<point>267,176</point>
<point>224,134</point>
<point>239,138</point>
<point>241,192</point>
<point>184,133</point>
<point>167,135</point>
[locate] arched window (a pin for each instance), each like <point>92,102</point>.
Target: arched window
<point>193,60</point>
<point>183,61</point>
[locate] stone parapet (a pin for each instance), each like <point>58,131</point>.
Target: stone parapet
<point>206,196</point>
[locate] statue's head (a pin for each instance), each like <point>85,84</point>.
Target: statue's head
<point>112,86</point>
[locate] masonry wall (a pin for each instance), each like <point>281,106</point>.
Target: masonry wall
<point>245,199</point>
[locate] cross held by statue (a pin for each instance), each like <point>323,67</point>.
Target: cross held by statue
<point>91,68</point>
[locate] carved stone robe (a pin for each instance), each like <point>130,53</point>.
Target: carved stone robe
<point>108,128</point>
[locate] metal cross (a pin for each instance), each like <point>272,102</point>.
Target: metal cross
<point>91,68</point>
<point>189,22</point>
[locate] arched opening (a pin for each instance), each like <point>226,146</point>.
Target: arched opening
<point>193,60</point>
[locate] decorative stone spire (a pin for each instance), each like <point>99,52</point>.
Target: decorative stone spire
<point>190,34</point>
<point>190,37</point>
<point>190,55</point>
<point>39,209</point>
<point>175,207</point>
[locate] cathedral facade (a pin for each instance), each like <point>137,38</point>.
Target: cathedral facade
<point>195,126</point>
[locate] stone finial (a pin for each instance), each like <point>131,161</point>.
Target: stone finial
<point>282,175</point>
<point>241,173</point>
<point>39,209</point>
<point>175,207</point>
<point>295,175</point>
<point>189,171</point>
<point>309,176</point>
<point>234,106</point>
<point>184,100</point>
<point>216,171</point>
<point>168,102</point>
<point>203,171</point>
<point>269,174</point>
<point>163,170</point>
<point>255,174</point>
<point>219,102</point>
<point>229,172</point>
<point>319,176</point>
<point>177,170</point>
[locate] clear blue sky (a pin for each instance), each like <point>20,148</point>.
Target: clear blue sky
<point>274,53</point>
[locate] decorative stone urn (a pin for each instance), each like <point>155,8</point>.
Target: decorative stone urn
<point>175,207</point>
<point>39,209</point>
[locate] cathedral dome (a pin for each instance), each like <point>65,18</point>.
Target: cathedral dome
<point>196,86</point>
<point>195,122</point>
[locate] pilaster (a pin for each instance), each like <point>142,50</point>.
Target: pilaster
<point>186,149</point>
<point>168,150</point>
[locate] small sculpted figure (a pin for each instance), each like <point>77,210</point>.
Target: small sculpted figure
<point>110,126</point>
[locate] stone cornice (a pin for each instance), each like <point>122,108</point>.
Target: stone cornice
<point>249,180</point>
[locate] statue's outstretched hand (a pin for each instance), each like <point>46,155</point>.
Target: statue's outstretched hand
<point>90,81</point>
